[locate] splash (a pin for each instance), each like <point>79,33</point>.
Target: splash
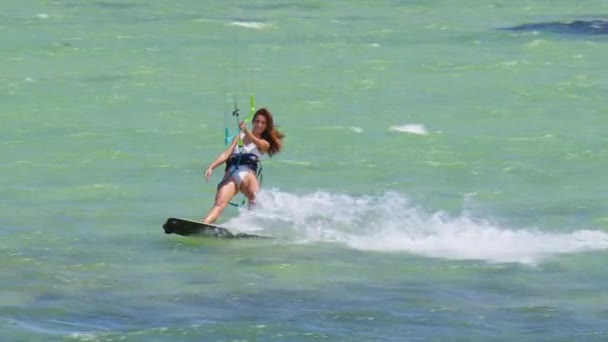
<point>390,223</point>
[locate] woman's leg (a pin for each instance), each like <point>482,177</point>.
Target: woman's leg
<point>225,192</point>
<point>250,187</point>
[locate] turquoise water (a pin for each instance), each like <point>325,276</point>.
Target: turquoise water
<point>442,179</point>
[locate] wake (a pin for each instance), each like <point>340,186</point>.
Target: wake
<point>390,223</point>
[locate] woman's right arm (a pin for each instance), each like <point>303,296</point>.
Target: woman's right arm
<point>221,158</point>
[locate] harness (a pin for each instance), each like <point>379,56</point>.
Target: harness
<point>248,159</point>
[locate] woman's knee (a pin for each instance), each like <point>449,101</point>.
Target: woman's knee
<point>250,193</point>
<point>225,193</point>
<point>251,197</point>
<point>220,204</point>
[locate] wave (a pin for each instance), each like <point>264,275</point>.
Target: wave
<point>348,128</point>
<point>390,223</point>
<point>250,24</point>
<point>410,128</point>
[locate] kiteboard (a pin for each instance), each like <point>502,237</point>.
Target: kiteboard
<point>192,228</point>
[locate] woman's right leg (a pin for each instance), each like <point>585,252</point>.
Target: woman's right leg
<point>250,188</point>
<point>224,194</point>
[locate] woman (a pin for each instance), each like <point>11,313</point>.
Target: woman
<point>242,160</point>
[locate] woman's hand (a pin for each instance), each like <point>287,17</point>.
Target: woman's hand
<point>243,126</point>
<point>208,173</point>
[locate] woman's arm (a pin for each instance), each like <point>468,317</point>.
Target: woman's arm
<point>221,158</point>
<point>260,143</point>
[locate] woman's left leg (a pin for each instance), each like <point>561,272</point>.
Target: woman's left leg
<point>250,187</point>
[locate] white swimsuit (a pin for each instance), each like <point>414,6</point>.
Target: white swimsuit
<point>238,172</point>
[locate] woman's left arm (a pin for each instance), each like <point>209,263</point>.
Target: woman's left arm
<point>260,143</point>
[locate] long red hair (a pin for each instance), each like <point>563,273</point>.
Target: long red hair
<point>270,134</point>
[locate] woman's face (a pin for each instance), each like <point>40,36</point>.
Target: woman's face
<point>259,124</point>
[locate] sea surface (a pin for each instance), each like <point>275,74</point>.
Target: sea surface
<point>443,177</point>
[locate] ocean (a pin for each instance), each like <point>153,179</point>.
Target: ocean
<point>443,176</point>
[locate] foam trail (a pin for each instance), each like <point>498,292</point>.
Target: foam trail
<point>462,239</point>
<point>390,223</point>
